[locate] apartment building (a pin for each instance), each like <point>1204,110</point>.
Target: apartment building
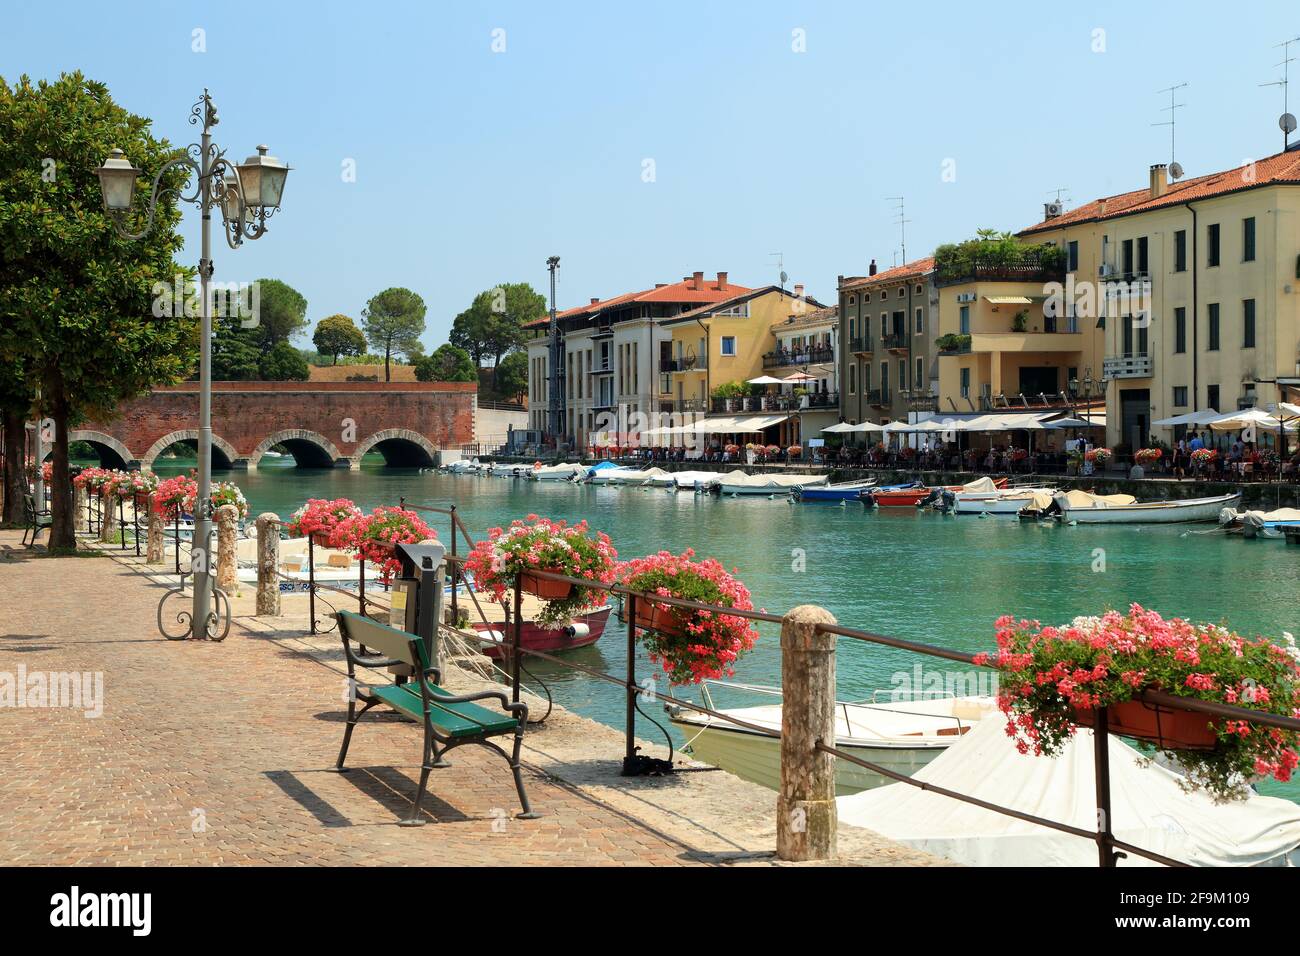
<point>612,349</point>
<point>1193,288</point>
<point>887,359</point>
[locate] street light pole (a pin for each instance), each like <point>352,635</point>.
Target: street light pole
<point>248,194</point>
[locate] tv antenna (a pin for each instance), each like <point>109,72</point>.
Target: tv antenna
<point>901,222</point>
<point>1175,170</point>
<point>780,266</point>
<point>1058,190</point>
<point>1286,122</point>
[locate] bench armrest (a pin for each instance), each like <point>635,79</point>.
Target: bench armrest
<point>519,710</point>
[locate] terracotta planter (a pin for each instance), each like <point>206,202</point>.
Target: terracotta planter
<point>1166,727</point>
<point>142,501</point>
<point>544,589</point>
<point>320,539</point>
<point>658,617</point>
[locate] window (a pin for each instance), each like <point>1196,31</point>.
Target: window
<point>1143,261</point>
<point>965,383</point>
<point>866,329</point>
<point>851,300</point>
<point>964,321</point>
<point>866,297</point>
<point>728,345</point>
<point>918,383</point>
<point>1180,396</point>
<point>884,381</point>
<point>1212,244</point>
<point>1248,239</point>
<point>1212,343</point>
<point>852,329</point>
<point>1072,256</point>
<point>920,290</point>
<point>901,292</point>
<point>1126,252</point>
<point>853,378</point>
<point>1212,396</point>
<point>902,374</point>
<point>1180,329</point>
<point>1248,324</point>
<point>920,321</point>
<point>1180,250</point>
<point>884,324</point>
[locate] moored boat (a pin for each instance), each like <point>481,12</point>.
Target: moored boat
<point>916,495</point>
<point>1088,508</point>
<point>840,491</point>
<point>1253,524</point>
<point>564,472</point>
<point>495,637</point>
<point>739,483</point>
<point>1000,501</point>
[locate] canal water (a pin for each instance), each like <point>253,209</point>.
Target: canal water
<point>917,575</point>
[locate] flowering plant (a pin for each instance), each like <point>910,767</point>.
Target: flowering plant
<point>321,518</point>
<point>129,484</point>
<point>47,471</point>
<point>794,451</point>
<point>1098,456</point>
<point>1047,673</point>
<point>175,496</point>
<point>1148,456</point>
<point>1203,456</point>
<point>703,644</point>
<point>228,493</point>
<point>372,536</point>
<point>773,449</point>
<point>732,449</point>
<point>1020,454</point>
<point>87,477</point>
<point>540,544</point>
<point>907,451</point>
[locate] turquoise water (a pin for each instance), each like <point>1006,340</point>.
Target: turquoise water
<point>917,575</point>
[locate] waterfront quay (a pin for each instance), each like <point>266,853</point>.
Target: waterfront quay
<point>219,753</point>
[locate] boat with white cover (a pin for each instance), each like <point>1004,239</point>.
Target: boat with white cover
<point>840,491</point>
<point>1267,524</point>
<point>1149,809</point>
<point>564,472</point>
<point>1087,508</point>
<point>739,483</point>
<point>999,501</point>
<point>902,736</point>
<point>634,476</point>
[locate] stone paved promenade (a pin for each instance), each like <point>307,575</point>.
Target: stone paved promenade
<point>216,753</point>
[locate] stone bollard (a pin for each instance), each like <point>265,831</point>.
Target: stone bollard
<point>227,576</point>
<point>154,537</point>
<point>806,820</point>
<point>268,563</point>
<point>80,521</point>
<point>108,526</point>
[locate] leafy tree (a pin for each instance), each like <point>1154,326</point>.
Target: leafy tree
<point>283,363</point>
<point>77,304</point>
<point>337,335</point>
<point>282,311</point>
<point>16,400</point>
<point>493,323</point>
<point>512,375</point>
<point>447,364</point>
<point>393,321</point>
<point>236,352</point>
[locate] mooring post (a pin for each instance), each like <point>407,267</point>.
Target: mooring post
<point>227,576</point>
<point>107,521</point>
<point>268,563</point>
<point>154,536</point>
<point>81,507</point>
<point>806,821</point>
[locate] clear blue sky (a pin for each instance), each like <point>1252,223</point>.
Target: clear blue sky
<point>474,166</point>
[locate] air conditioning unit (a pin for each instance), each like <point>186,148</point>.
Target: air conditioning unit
<point>1053,209</point>
<point>966,296</point>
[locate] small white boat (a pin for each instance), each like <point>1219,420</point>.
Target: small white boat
<point>635,476</point>
<point>564,472</point>
<point>902,736</point>
<point>464,466</point>
<point>739,483</point>
<point>1087,508</point>
<point>999,501</point>
<point>695,480</point>
<point>1265,524</point>
<point>505,469</point>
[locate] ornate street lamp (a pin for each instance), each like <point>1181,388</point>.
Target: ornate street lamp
<point>247,194</point>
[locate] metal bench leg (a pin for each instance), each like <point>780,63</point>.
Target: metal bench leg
<point>426,765</point>
<point>528,813</point>
<point>353,716</point>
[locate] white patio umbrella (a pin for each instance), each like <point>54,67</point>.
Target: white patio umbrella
<point>799,377</point>
<point>1246,418</point>
<point>765,380</point>
<point>868,427</point>
<point>837,428</point>
<point>1190,418</point>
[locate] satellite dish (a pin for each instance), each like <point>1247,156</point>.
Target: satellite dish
<point>1286,122</point>
<point>784,277</point>
<point>1176,170</point>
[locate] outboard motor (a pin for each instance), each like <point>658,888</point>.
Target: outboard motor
<point>947,501</point>
<point>935,494</point>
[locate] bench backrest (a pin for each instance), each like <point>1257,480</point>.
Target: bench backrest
<point>399,645</point>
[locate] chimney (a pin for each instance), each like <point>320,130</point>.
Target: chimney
<point>1159,180</point>
<point>798,290</point>
<point>872,269</point>
<point>722,282</point>
<point>595,299</point>
<point>697,283</point>
<point>660,285</point>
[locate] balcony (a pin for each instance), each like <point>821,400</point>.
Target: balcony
<point>783,358</point>
<point>1128,366</point>
<point>775,403</point>
<point>603,332</point>
<point>924,402</point>
<point>1029,267</point>
<point>687,363</point>
<point>895,342</point>
<point>879,398</point>
<point>862,346</point>
<point>690,405</point>
<point>602,368</point>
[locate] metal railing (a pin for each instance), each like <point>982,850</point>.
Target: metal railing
<point>782,358</point>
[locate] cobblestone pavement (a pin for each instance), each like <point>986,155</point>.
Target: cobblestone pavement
<point>217,753</point>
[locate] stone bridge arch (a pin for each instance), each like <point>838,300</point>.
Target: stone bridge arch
<point>309,449</point>
<point>224,456</point>
<point>112,452</point>
<point>401,448</point>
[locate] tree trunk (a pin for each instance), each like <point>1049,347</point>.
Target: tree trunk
<point>63,527</point>
<point>13,451</point>
<point>388,352</point>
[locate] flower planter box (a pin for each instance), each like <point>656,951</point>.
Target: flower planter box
<point>320,539</point>
<point>1167,727</point>
<point>658,617</point>
<point>545,589</point>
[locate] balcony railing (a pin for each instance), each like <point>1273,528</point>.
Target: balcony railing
<point>1128,366</point>
<point>1025,268</point>
<point>687,363</point>
<point>782,358</point>
<point>895,341</point>
<point>690,405</point>
<point>775,403</point>
<point>879,397</point>
<point>864,345</point>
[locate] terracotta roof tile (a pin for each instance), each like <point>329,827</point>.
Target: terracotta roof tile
<point>1278,169</point>
<point>683,291</point>
<point>913,269</point>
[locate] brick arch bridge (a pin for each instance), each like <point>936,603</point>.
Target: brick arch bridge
<point>321,424</point>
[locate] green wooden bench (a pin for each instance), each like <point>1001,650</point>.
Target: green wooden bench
<point>449,720</point>
<point>37,521</point>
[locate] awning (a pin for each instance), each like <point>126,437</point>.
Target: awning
<point>837,428</point>
<point>719,425</point>
<point>1009,299</point>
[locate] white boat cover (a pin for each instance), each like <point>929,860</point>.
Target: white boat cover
<point>558,471</point>
<point>1259,519</point>
<point>980,485</point>
<point>1148,806</point>
<point>634,477</point>
<point>1086,499</point>
<point>738,479</point>
<point>687,479</point>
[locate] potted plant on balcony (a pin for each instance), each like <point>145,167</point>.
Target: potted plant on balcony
<point>373,536</point>
<point>690,645</point>
<point>540,544</point>
<point>1054,679</point>
<point>176,496</point>
<point>1021,321</point>
<point>953,342</point>
<point>320,519</point>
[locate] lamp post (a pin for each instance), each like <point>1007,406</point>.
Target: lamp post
<point>247,194</point>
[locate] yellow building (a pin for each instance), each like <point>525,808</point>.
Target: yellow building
<point>1195,286</point>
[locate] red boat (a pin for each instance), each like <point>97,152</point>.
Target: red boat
<point>911,497</point>
<point>580,632</point>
